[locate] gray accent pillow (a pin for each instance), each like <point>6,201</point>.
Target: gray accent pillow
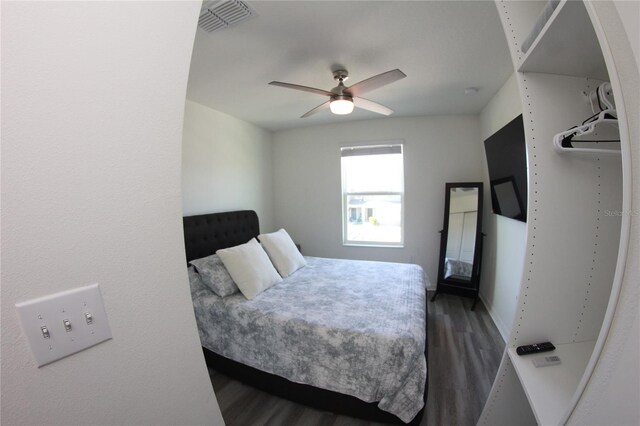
<point>197,287</point>
<point>214,275</point>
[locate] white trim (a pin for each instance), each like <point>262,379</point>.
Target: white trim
<point>500,325</point>
<point>382,142</point>
<point>369,244</point>
<point>353,151</point>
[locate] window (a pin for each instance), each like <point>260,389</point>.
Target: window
<point>372,195</point>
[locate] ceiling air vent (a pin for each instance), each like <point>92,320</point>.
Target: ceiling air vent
<point>216,15</point>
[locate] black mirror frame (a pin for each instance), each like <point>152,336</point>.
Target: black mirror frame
<point>451,285</point>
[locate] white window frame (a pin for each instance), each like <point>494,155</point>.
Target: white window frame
<point>345,195</point>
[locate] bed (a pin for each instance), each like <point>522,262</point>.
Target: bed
<point>334,335</point>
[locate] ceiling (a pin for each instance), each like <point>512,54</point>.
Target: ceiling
<point>442,46</point>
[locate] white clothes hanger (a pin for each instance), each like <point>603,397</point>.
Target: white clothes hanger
<point>608,118</point>
<point>601,99</point>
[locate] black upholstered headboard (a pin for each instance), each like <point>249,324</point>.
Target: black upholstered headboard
<point>206,233</point>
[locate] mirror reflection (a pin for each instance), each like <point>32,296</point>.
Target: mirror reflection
<point>461,241</point>
<point>461,238</point>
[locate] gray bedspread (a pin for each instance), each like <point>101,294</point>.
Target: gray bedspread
<point>354,327</point>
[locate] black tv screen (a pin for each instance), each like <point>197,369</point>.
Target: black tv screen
<point>507,161</point>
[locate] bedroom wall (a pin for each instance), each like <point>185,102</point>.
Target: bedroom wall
<point>226,165</point>
<point>308,203</point>
<point>92,104</point>
<point>505,242</point>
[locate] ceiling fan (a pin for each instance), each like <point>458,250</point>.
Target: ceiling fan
<point>342,99</point>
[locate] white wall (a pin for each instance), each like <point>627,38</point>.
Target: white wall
<point>226,165</point>
<point>505,242</point>
<point>92,104</point>
<point>307,178</point>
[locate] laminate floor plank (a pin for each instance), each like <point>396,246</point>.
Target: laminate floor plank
<point>465,349</point>
<point>285,414</point>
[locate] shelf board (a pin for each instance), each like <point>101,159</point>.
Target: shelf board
<point>550,389</point>
<point>567,45</point>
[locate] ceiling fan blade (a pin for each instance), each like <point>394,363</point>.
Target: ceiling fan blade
<point>372,106</point>
<point>303,88</point>
<point>317,109</point>
<point>375,82</point>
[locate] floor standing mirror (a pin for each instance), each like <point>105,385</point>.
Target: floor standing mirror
<point>461,241</point>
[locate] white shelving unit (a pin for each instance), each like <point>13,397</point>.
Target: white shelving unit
<point>566,45</point>
<point>549,389</point>
<point>572,243</point>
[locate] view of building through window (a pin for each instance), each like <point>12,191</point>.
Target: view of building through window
<point>372,195</point>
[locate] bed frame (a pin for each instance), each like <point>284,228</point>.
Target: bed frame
<point>203,235</point>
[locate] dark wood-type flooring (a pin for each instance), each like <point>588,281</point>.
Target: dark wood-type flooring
<point>465,349</point>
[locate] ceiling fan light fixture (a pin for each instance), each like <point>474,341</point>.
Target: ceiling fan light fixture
<point>341,105</point>
<point>341,98</point>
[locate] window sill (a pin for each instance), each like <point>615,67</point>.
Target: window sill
<point>373,245</point>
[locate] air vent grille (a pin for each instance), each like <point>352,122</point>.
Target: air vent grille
<point>216,15</point>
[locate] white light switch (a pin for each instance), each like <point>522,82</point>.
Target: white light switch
<point>64,323</point>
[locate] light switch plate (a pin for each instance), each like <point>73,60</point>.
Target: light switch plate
<point>63,317</point>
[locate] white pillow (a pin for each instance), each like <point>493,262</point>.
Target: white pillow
<point>283,252</point>
<point>250,268</point>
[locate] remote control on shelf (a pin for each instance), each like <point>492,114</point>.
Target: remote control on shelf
<point>535,348</point>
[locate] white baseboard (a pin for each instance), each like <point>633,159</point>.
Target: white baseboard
<point>502,328</point>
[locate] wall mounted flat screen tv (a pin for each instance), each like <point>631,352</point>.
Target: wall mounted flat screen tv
<point>507,161</point>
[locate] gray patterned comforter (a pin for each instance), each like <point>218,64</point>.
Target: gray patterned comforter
<point>354,327</point>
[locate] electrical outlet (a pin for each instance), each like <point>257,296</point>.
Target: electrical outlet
<point>61,324</point>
